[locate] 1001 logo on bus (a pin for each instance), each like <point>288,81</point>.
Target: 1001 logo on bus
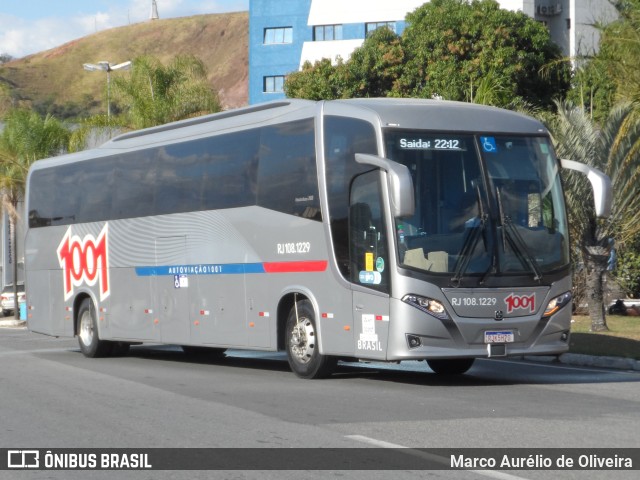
<point>518,302</point>
<point>85,261</point>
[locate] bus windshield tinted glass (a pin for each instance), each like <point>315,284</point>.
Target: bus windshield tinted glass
<point>484,204</point>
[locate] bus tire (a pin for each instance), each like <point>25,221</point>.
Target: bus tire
<point>302,347</point>
<point>90,344</point>
<point>451,366</point>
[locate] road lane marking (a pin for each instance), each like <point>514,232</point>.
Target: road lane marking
<point>432,457</point>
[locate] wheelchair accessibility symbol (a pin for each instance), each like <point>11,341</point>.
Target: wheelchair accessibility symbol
<point>180,281</point>
<point>489,144</point>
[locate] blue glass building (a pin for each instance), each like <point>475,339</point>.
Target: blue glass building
<point>283,34</point>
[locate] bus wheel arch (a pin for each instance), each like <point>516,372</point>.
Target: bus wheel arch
<point>299,337</point>
<point>86,328</point>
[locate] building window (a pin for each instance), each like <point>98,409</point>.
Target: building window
<point>370,27</point>
<point>568,21</point>
<point>278,35</point>
<point>274,84</point>
<point>327,32</point>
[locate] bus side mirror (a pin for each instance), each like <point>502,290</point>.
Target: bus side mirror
<point>400,183</point>
<point>601,184</point>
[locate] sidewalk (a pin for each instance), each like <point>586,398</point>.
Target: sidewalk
<point>12,322</point>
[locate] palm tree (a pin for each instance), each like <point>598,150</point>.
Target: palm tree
<point>26,137</point>
<point>152,94</point>
<point>614,148</point>
<point>155,94</point>
<point>619,52</point>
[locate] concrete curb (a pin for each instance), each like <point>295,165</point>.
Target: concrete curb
<point>579,360</point>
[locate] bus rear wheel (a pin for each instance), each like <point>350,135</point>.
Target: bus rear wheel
<point>303,351</point>
<point>451,366</point>
<point>90,343</point>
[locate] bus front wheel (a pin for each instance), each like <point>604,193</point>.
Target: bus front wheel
<point>90,343</point>
<point>450,366</point>
<point>303,351</point>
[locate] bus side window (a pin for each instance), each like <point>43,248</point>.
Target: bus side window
<point>287,173</point>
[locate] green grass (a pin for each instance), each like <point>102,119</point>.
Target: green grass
<point>622,339</point>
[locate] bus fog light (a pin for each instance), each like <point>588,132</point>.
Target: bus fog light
<point>557,303</point>
<point>414,341</point>
<point>427,305</point>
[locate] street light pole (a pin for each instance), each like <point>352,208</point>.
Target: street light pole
<point>105,66</point>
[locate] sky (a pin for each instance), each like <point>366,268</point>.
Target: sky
<point>30,26</point>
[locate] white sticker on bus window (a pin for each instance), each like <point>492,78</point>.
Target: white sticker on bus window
<point>370,278</point>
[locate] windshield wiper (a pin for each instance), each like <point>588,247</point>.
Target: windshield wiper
<point>511,235</point>
<point>471,240</point>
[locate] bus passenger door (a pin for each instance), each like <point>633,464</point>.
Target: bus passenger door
<point>171,292</point>
<point>369,262</point>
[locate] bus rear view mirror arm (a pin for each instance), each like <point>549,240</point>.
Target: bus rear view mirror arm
<point>400,183</point>
<point>601,184</point>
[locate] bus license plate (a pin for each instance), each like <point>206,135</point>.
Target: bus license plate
<point>504,336</point>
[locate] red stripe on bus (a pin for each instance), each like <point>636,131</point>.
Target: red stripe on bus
<point>294,267</point>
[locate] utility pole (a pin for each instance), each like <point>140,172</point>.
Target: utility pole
<point>154,11</point>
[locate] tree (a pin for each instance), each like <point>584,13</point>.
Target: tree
<point>374,68</point>
<point>320,81</point>
<point>26,137</point>
<point>371,71</point>
<point>452,45</point>
<point>593,89</point>
<point>611,75</point>
<point>154,94</point>
<point>627,268</point>
<point>613,148</point>
<point>452,49</point>
<point>619,51</point>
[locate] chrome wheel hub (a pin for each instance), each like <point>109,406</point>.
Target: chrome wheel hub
<point>302,342</point>
<point>86,328</point>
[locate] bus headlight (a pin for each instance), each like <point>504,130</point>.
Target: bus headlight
<point>427,305</point>
<point>557,303</point>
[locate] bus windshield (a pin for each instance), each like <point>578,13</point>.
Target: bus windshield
<point>485,205</point>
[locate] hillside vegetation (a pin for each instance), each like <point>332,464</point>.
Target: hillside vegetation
<point>56,76</point>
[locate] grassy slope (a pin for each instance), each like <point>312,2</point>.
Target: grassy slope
<point>622,339</point>
<point>220,40</point>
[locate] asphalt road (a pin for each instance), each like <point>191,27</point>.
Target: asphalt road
<point>53,397</point>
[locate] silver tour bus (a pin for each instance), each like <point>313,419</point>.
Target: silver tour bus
<point>377,229</point>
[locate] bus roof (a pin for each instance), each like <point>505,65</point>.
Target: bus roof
<point>438,115</point>
<point>394,112</point>
<point>446,115</point>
